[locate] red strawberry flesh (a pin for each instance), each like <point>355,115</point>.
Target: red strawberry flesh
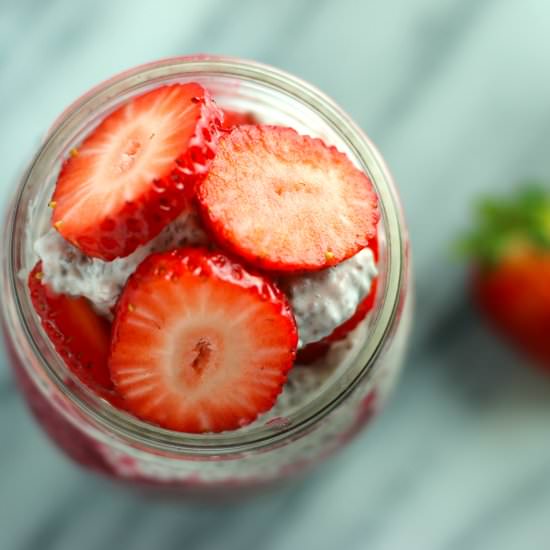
<point>236,118</point>
<point>199,343</point>
<point>286,202</point>
<point>80,336</point>
<point>136,171</point>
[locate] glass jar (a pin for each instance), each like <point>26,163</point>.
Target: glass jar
<point>328,412</point>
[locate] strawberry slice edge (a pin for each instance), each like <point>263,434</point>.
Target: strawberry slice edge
<point>136,171</point>
<point>230,334</point>
<point>80,336</point>
<point>309,207</point>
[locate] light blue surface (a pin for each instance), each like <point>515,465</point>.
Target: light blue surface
<point>456,93</point>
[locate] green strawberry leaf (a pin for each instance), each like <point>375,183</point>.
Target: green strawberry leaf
<point>505,224</point>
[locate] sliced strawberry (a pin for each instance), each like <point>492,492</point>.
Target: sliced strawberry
<point>199,343</point>
<point>235,118</point>
<point>360,313</point>
<point>312,352</point>
<point>374,245</point>
<point>136,171</point>
<point>79,335</point>
<point>315,350</point>
<point>286,202</point>
<point>514,296</point>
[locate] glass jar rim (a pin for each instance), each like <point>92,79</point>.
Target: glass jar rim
<point>134,431</point>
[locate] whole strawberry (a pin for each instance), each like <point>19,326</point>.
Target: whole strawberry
<point>511,274</point>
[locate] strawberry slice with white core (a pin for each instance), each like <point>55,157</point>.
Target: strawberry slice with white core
<point>136,171</point>
<point>199,343</point>
<point>286,202</point>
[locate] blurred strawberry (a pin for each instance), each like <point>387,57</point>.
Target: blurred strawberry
<point>511,272</point>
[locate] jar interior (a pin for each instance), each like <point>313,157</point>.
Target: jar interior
<point>271,104</point>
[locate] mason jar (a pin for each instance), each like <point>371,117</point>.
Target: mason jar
<point>327,404</point>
